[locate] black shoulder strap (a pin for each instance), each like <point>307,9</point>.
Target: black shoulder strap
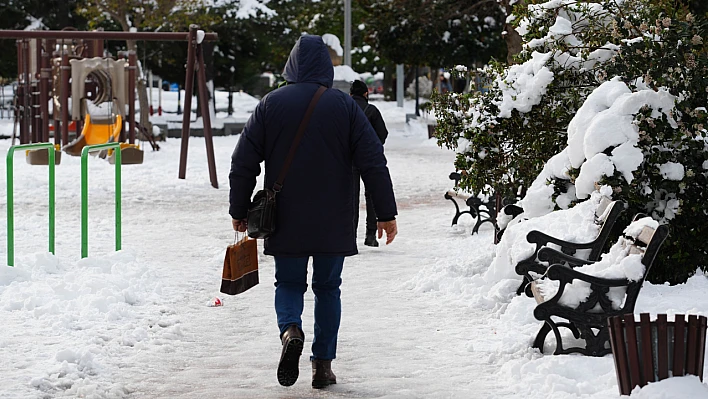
<point>296,141</point>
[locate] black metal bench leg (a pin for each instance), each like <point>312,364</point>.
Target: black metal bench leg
<point>559,341</point>
<point>541,336</point>
<point>458,213</point>
<point>478,223</point>
<point>596,344</point>
<point>571,327</point>
<point>457,209</point>
<point>523,286</point>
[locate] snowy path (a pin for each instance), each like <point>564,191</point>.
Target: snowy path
<point>420,317</point>
<point>135,324</point>
<point>393,341</point>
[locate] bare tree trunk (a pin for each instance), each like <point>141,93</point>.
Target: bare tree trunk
<point>389,90</point>
<point>512,37</point>
<point>142,91</point>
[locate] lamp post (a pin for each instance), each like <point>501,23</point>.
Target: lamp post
<point>399,85</point>
<point>348,32</point>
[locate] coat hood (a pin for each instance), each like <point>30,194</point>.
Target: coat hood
<point>309,62</point>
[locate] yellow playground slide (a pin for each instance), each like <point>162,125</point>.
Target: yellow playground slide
<point>96,132</point>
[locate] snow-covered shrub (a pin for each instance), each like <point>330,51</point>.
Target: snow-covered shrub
<point>503,135</point>
<point>617,90</point>
<point>425,87</point>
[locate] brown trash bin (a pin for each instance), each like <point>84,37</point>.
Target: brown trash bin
<point>431,131</point>
<point>649,351</point>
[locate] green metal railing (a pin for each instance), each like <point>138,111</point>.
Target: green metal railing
<point>84,192</point>
<point>10,189</point>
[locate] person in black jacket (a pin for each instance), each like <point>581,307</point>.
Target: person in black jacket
<point>314,207</point>
<point>360,93</point>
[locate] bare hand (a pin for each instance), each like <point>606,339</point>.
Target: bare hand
<point>240,225</point>
<point>391,230</point>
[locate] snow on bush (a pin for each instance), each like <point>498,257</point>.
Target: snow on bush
<point>496,131</point>
<point>425,87</point>
<point>604,123</point>
<point>617,91</point>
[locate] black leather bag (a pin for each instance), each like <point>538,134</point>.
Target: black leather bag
<point>261,213</point>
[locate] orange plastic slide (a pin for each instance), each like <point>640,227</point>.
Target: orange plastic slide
<point>95,133</point>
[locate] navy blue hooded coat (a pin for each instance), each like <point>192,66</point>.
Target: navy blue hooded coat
<point>315,207</point>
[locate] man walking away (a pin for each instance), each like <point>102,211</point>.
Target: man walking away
<point>314,205</point>
<point>360,93</point>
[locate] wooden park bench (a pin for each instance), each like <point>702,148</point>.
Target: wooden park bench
<point>482,211</point>
<point>588,320</point>
<point>606,215</point>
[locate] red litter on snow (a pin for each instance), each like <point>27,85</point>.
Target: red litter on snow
<point>215,302</point>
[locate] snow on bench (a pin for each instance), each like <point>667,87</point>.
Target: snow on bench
<point>550,250</point>
<point>586,296</point>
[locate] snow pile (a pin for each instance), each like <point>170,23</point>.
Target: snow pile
<point>493,284</point>
<point>333,42</point>
<point>345,73</point>
<point>577,224</point>
<point>251,8</point>
<point>672,388</point>
<point>570,21</point>
<point>243,9</point>
<point>524,85</point>
<point>604,122</point>
<point>672,171</point>
<point>69,300</point>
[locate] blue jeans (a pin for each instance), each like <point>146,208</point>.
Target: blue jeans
<point>290,287</point>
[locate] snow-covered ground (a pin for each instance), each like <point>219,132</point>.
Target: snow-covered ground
<point>419,318</point>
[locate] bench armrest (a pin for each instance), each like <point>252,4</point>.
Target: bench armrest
<point>512,210</point>
<point>526,266</point>
<point>565,275</point>
<point>456,177</point>
<point>543,239</point>
<point>552,256</point>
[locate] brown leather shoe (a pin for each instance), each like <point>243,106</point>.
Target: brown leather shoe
<point>322,375</point>
<point>293,339</point>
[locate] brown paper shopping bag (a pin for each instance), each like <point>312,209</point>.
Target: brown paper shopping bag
<point>240,267</point>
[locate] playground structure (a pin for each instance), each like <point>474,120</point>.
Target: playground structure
<point>101,80</point>
<point>66,64</point>
<point>55,71</point>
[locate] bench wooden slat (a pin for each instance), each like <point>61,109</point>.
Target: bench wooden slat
<point>602,207</point>
<point>647,356</point>
<point>646,235</point>
<point>537,294</point>
<point>679,360</point>
<point>631,333</point>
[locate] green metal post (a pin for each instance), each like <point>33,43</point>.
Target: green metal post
<point>84,193</point>
<point>10,204</point>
